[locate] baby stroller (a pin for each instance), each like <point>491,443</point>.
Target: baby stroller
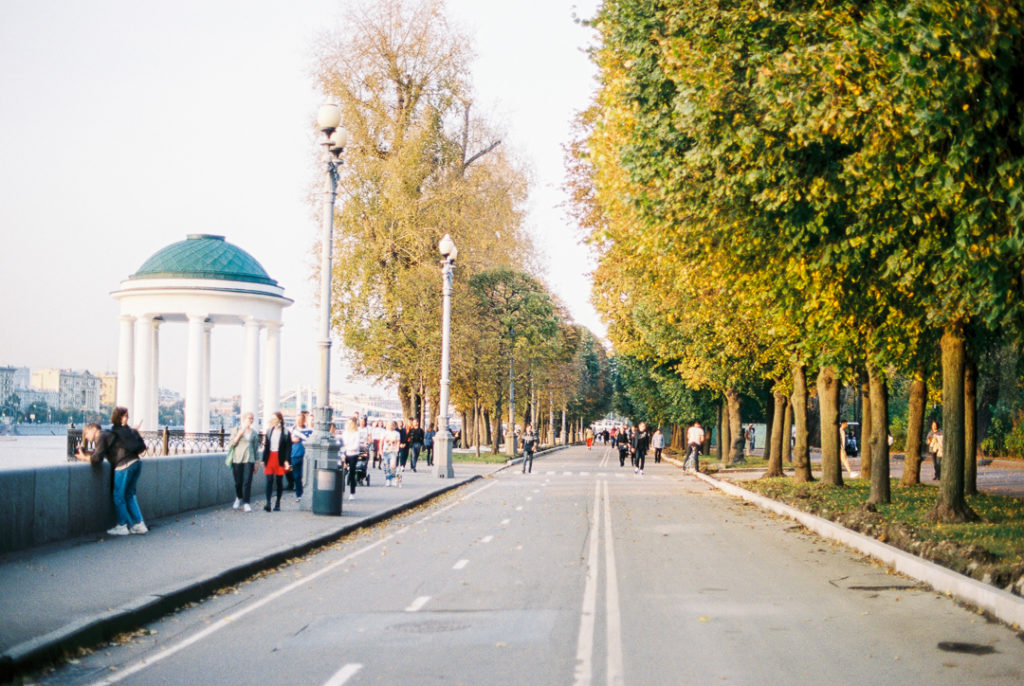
<point>362,475</point>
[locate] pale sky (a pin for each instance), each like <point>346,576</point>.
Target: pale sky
<point>125,125</point>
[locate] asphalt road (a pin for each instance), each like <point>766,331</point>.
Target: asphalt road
<point>581,573</point>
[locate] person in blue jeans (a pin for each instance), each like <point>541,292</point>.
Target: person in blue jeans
<point>428,445</point>
<point>415,443</point>
<point>300,432</point>
<point>121,446</point>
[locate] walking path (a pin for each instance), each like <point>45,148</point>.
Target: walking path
<point>86,590</point>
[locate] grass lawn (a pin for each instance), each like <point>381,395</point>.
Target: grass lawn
<point>486,457</point>
<point>991,550</point>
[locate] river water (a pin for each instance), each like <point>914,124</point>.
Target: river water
<point>21,452</point>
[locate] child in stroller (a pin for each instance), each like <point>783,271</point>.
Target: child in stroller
<point>362,474</point>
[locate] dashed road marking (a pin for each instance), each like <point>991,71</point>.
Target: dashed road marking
<point>417,605</point>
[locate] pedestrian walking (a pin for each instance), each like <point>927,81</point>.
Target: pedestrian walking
<point>403,446</point>
<point>389,445</point>
<point>641,443</point>
<point>242,450</point>
<point>658,443</point>
<point>751,437</point>
<point>935,449</point>
<point>843,457</point>
<point>428,445</point>
<point>590,438</point>
<point>277,452</point>
<point>122,447</point>
<point>350,447</point>
<point>529,447</point>
<point>415,443</point>
<point>377,433</point>
<point>622,444</point>
<point>300,433</point>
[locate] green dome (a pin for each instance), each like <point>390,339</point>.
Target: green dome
<point>203,256</point>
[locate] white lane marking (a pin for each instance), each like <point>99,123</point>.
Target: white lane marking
<point>566,473</point>
<point>417,605</point>
<point>505,521</point>
<point>460,564</point>
<point>343,675</point>
<point>588,613</point>
<point>529,498</point>
<point>487,539</point>
<point>584,473</point>
<point>234,617</point>
<point>613,618</point>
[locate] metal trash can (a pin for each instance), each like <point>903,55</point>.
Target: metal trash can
<point>327,491</point>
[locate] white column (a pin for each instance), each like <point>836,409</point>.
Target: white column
<point>194,373</point>
<point>139,409</point>
<point>272,371</point>
<point>251,367</point>
<point>204,421</point>
<point>126,362</point>
<point>154,374</point>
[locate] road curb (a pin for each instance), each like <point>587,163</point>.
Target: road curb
<point>92,630</point>
<point>1001,604</point>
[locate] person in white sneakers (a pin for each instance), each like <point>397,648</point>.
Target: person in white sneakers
<point>242,451</point>
<point>121,446</point>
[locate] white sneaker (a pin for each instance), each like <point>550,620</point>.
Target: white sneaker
<point>139,528</point>
<point>238,504</point>
<point>636,470</point>
<point>119,530</point>
<point>854,475</point>
<point>351,498</point>
<point>246,508</point>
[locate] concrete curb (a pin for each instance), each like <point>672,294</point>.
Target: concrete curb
<point>999,603</point>
<point>101,627</point>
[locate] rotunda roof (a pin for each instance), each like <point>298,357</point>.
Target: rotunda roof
<point>204,256</point>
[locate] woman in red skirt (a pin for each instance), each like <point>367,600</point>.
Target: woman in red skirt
<point>277,453</point>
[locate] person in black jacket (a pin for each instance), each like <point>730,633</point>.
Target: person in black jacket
<point>415,439</point>
<point>640,444</point>
<point>277,455</point>
<point>529,448</point>
<point>121,446</point>
<point>622,443</point>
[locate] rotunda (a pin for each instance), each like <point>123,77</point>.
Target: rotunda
<point>202,281</point>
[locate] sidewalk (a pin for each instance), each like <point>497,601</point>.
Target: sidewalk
<point>83,591</point>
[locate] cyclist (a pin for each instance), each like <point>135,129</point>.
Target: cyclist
<point>694,441</point>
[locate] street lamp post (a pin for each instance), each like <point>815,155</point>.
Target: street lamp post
<point>443,438</point>
<point>323,451</point>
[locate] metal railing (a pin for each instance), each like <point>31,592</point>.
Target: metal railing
<point>165,442</point>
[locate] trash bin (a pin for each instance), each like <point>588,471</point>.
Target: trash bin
<point>327,491</point>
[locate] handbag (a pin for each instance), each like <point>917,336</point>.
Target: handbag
<point>231,457</point>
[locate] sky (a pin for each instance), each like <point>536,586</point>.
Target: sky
<point>127,125</point>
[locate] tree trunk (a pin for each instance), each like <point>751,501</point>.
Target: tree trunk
<point>879,392</point>
<point>915,428</point>
<point>768,428</point>
<point>787,433</point>
<point>828,409</point>
<point>970,426</point>
<point>551,418</point>
<point>496,428</point>
<point>405,398</point>
<point>801,453</point>
<point>951,506</point>
<point>775,434</point>
<point>485,425</point>
<point>865,430</point>
<point>478,429</point>
<point>676,443</point>
<point>723,434</point>
<point>732,398</point>
<point>564,428</point>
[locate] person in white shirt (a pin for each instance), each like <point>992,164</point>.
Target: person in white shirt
<point>694,442</point>
<point>389,443</point>
<point>350,446</point>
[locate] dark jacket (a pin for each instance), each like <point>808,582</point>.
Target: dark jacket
<point>416,436</point>
<point>284,455</point>
<point>118,445</point>
<point>529,441</point>
<point>641,442</point>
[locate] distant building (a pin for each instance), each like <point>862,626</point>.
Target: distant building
<point>6,383</point>
<point>108,389</point>
<point>75,390</point>
<point>22,377</point>
<point>27,396</point>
